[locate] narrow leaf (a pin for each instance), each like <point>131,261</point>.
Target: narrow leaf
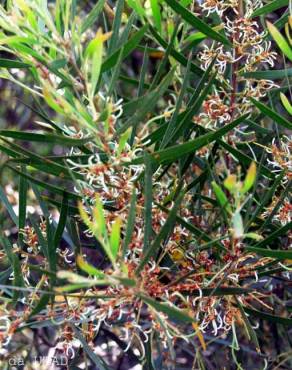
<point>280,40</point>
<point>175,152</point>
<point>92,16</point>
<point>250,178</point>
<point>8,63</point>
<point>272,114</point>
<point>89,269</point>
<point>115,237</point>
<point>130,223</point>
<point>221,197</point>
<point>8,206</point>
<point>196,22</point>
<point>148,203</point>
<point>286,103</point>
<point>162,235</point>
<point>270,7</point>
<point>98,361</point>
<point>265,316</point>
<point>130,45</point>
<point>172,312</point>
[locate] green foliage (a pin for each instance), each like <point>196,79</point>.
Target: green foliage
<point>157,162</point>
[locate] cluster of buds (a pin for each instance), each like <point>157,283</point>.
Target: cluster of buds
<point>104,173</point>
<point>250,52</point>
<point>215,112</point>
<point>121,307</point>
<point>192,271</point>
<point>220,314</point>
<point>31,239</point>
<point>67,343</point>
<point>284,215</point>
<point>222,58</point>
<point>10,321</point>
<point>30,236</point>
<point>281,156</point>
<point>284,212</point>
<point>214,315</point>
<point>221,6</point>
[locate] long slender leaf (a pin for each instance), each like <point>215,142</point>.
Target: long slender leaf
<point>173,121</point>
<point>8,206</point>
<point>148,203</point>
<point>269,75</point>
<point>173,153</point>
<point>272,114</point>
<point>44,138</point>
<point>23,187</point>
<point>62,221</point>
<point>46,185</point>
<point>265,316</point>
<point>148,103</point>
<point>196,22</point>
<point>8,63</point>
<point>270,7</point>
<point>92,16</point>
<point>251,332</point>
<point>116,26</point>
<point>162,235</point>
<point>273,253</point>
<point>110,62</point>
<point>14,261</point>
<point>97,361</point>
<point>172,312</point>
<point>175,54</point>
<point>271,237</point>
<point>130,223</point>
<point>280,40</point>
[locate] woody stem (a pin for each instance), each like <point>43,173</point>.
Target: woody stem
<point>234,81</point>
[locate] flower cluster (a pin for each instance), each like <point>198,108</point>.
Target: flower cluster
<point>120,305</point>
<point>281,156</point>
<point>104,171</point>
<point>250,53</point>
<point>215,112</point>
<point>284,212</point>
<point>153,242</point>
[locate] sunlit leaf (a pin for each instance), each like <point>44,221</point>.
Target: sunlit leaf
<point>250,178</point>
<point>280,40</point>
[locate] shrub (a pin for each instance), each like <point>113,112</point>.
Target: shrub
<point>153,210</point>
